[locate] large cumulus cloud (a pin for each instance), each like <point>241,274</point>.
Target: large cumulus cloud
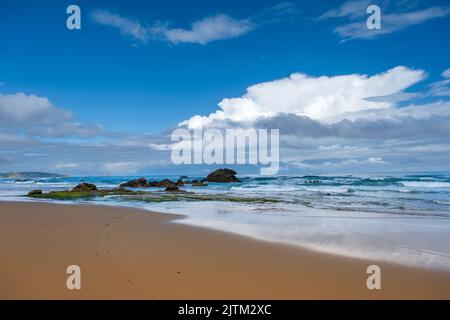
<point>348,122</point>
<point>324,98</point>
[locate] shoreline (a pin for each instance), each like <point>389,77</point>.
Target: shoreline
<point>131,253</point>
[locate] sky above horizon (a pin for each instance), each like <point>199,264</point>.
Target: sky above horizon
<point>104,99</point>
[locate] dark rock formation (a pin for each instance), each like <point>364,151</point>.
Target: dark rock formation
<point>172,189</point>
<point>184,177</point>
<point>223,175</point>
<point>136,183</point>
<point>163,183</point>
<point>35,192</point>
<point>172,193</point>
<point>84,187</point>
<point>143,183</point>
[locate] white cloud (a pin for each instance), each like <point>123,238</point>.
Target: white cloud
<point>218,27</point>
<point>428,148</point>
<point>120,167</point>
<point>132,166</point>
<point>9,138</point>
<point>202,31</point>
<point>209,29</point>
<point>325,99</point>
<point>282,11</point>
<point>349,121</point>
<point>59,166</point>
<point>160,147</point>
<point>377,160</point>
<point>37,115</point>
<point>350,162</point>
<point>355,11</point>
<point>440,88</point>
<point>390,23</point>
<point>446,73</point>
<point>351,9</point>
<point>128,27</point>
<point>20,107</point>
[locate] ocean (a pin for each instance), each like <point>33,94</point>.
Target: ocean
<point>401,218</point>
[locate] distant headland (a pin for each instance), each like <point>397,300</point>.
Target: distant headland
<point>29,175</point>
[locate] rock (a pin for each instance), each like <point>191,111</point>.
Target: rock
<point>85,187</point>
<point>172,189</point>
<point>35,193</point>
<point>136,183</point>
<point>167,183</point>
<point>199,184</point>
<point>163,183</point>
<point>223,175</point>
<point>143,183</point>
<point>184,177</point>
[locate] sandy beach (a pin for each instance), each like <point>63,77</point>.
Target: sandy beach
<point>127,253</point>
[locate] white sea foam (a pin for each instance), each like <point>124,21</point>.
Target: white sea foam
<point>425,184</point>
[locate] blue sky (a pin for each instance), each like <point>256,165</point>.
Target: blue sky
<point>137,68</point>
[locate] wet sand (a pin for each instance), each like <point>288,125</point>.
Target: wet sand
<point>127,253</point>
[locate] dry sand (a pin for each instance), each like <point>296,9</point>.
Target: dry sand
<point>134,254</point>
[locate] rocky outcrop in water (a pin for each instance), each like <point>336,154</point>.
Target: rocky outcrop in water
<point>83,190</point>
<point>172,189</point>
<point>85,187</point>
<point>34,193</point>
<point>136,183</point>
<point>162,184</point>
<point>172,192</point>
<point>143,183</point>
<point>223,175</point>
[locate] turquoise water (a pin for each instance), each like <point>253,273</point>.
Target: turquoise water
<point>422,194</point>
<point>402,218</point>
